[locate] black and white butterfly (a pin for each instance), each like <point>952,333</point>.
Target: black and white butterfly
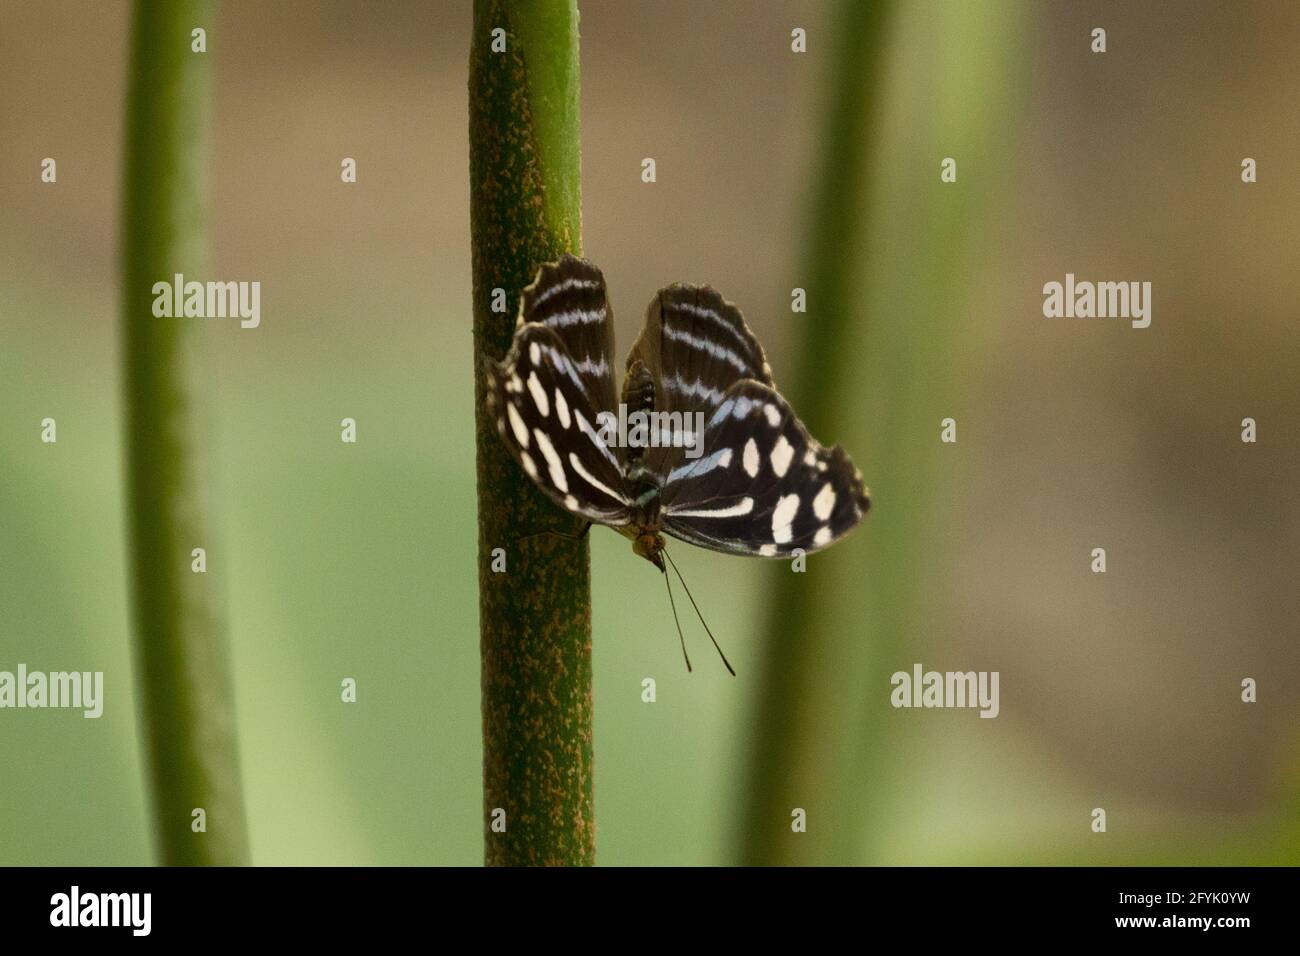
<point>753,483</point>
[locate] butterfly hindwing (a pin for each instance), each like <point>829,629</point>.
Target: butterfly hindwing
<point>762,485</point>
<point>543,410</point>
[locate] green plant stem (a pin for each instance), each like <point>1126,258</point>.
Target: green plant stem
<point>888,349</point>
<point>787,762</point>
<point>182,673</point>
<point>535,615</point>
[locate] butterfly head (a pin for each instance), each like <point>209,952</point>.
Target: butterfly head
<point>650,545</point>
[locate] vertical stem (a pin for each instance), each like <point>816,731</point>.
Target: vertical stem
<point>183,676</point>
<point>880,384</point>
<point>835,231</point>
<point>788,745</point>
<point>535,615</point>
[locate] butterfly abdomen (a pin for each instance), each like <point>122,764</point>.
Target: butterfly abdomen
<point>638,389</point>
<point>644,484</point>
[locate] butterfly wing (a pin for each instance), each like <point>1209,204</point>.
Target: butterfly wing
<point>542,404</point>
<point>569,298</point>
<point>761,485</point>
<point>696,346</point>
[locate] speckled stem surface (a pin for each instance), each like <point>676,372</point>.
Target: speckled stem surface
<point>535,616</point>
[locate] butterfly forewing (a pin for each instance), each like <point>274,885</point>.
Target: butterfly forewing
<point>695,345</point>
<point>569,298</point>
<point>762,485</point>
<point>540,402</point>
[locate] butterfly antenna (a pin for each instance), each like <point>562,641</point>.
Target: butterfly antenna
<point>671,604</point>
<point>698,614</point>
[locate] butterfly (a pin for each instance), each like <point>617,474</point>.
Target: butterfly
<point>714,455</point>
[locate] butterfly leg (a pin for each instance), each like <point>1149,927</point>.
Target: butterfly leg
<point>559,534</point>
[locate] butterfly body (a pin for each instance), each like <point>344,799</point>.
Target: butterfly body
<point>714,455</point>
<point>643,486</point>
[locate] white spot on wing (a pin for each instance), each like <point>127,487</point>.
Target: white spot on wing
<point>562,361</point>
<point>701,466</point>
<point>575,317</point>
<point>553,463</point>
<point>535,353</point>
<point>824,502</point>
<point>592,480</point>
<point>717,320</point>
<point>708,347</point>
<point>773,414</point>
<point>677,384</point>
<point>781,456</point>
<point>823,535</point>
<point>573,282</point>
<point>530,466</point>
<point>584,426</point>
<point>783,517</point>
<point>561,408</point>
<point>751,459</point>
<point>539,394</point>
<point>589,367</point>
<point>767,550</point>
<point>742,507</point>
<point>517,425</point>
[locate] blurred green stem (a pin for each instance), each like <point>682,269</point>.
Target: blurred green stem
<point>182,672</point>
<point>535,615</point>
<point>836,231</point>
<point>783,774</point>
<point>888,348</point>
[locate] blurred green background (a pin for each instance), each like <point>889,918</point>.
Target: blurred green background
<point>1118,691</point>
